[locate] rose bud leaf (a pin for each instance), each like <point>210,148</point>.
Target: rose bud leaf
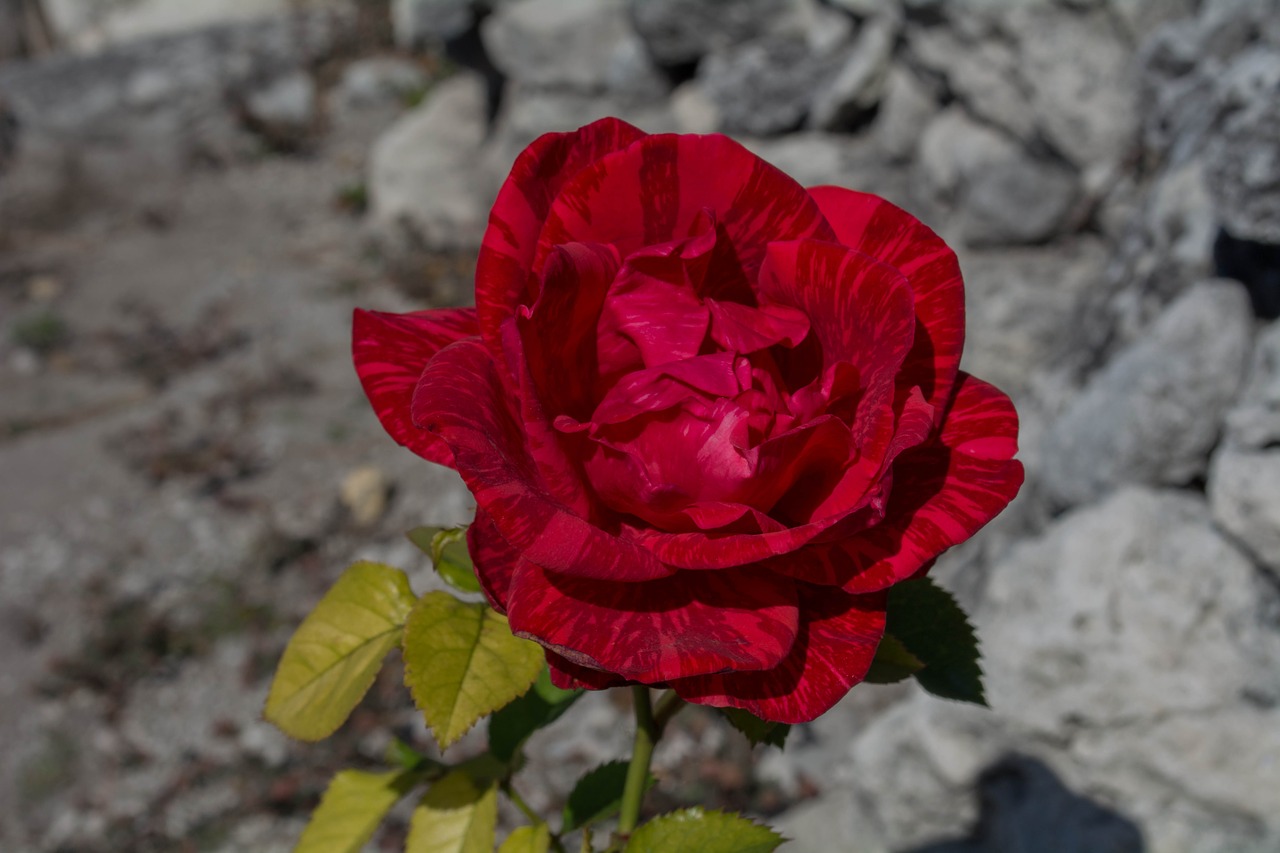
<point>334,656</point>
<point>352,807</point>
<point>447,548</point>
<point>528,839</point>
<point>893,663</point>
<point>757,731</point>
<point>462,662</point>
<point>455,816</point>
<point>704,831</point>
<point>598,795</point>
<point>511,725</point>
<point>930,625</point>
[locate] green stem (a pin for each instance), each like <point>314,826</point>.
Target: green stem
<point>667,706</point>
<point>514,796</point>
<point>647,734</point>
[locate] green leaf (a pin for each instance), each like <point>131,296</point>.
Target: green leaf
<point>699,831</point>
<point>597,795</point>
<point>758,731</point>
<point>334,656</point>
<point>511,725</point>
<point>528,839</point>
<point>352,807</point>
<point>892,663</point>
<point>933,628</point>
<point>549,692</point>
<point>447,548</point>
<point>462,662</point>
<point>455,816</point>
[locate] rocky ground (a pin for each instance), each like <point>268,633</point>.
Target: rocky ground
<point>186,460</point>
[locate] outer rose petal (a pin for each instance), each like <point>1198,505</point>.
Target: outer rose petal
<point>943,493</point>
<point>390,352</point>
<point>693,623</point>
<point>461,398</point>
<point>837,641</point>
<point>506,255</point>
<point>889,234</point>
<point>663,187</point>
<point>569,676</point>
<point>494,559</point>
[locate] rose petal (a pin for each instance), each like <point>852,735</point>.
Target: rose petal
<point>862,313</point>
<point>461,398</point>
<point>743,329</point>
<point>569,676</point>
<point>655,190</point>
<point>889,234</point>
<point>942,493</point>
<point>390,352</point>
<point>494,559</point>
<point>506,254</point>
<point>657,388</point>
<point>693,623</point>
<point>836,643</point>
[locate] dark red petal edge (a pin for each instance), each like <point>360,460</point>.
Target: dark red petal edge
<point>390,352</point>
<point>838,637</point>
<point>506,253</point>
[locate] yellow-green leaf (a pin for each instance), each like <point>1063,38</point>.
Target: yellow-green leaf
<point>352,807</point>
<point>528,839</point>
<point>462,662</point>
<point>335,654</point>
<point>455,816</point>
<point>699,831</point>
<point>447,548</point>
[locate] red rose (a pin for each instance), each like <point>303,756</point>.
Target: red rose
<point>709,417</point>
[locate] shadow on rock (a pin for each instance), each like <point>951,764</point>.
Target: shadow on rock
<point>1027,809</point>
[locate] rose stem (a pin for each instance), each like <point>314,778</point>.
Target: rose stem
<point>647,734</point>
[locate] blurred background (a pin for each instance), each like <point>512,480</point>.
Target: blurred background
<point>194,194</point>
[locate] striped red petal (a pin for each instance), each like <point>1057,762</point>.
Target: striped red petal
<point>692,623</point>
<point>836,643</point>
<point>390,352</point>
<point>541,170</point>
<point>889,234</point>
<point>462,399</point>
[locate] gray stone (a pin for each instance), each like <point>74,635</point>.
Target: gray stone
<point>905,110</point>
<point>680,32</point>
<point>586,45</point>
<point>1181,219</point>
<point>1244,163</point>
<point>1254,423</point>
<point>1244,491</point>
<point>417,23</point>
<point>379,80</point>
<point>285,108</point>
<point>1115,658</point>
<point>984,75</point>
<point>1083,84</point>
<point>765,86</point>
<point>1020,304</point>
<point>423,172</point>
<point>693,110</point>
<point>1155,411</point>
<point>1002,195</point>
<point>856,88</point>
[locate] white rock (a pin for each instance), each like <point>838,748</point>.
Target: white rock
<point>1155,411</point>
<point>694,111</point>
<point>1254,422</point>
<point>580,44</point>
<point>905,110</point>
<point>424,174</point>
<point>856,88</point>
<point>380,79</point>
<point>1244,491</point>
<point>416,23</point>
<point>286,106</point>
<point>679,32</point>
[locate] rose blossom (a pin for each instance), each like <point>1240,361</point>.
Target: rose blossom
<point>708,416</point>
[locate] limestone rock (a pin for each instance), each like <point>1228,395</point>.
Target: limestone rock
<point>1155,411</point>
<point>679,32</point>
<point>423,172</point>
<point>587,45</point>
